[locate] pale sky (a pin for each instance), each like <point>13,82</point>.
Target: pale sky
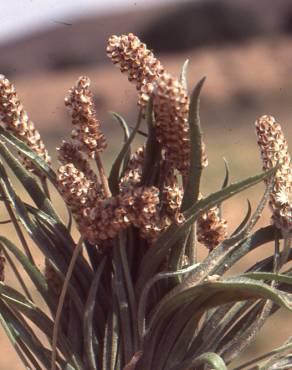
<point>19,17</point>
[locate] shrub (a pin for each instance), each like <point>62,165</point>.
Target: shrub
<point>131,293</point>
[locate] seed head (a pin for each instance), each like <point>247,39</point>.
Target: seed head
<point>137,61</point>
<point>211,228</point>
<point>274,150</point>
<point>16,120</point>
<point>133,172</point>
<point>86,133</point>
<point>171,110</point>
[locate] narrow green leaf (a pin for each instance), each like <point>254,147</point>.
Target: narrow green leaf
<point>227,174</point>
<point>88,318</point>
<point>116,167</point>
<point>29,153</point>
<point>33,272</point>
<point>192,189</point>
<point>15,270</point>
<point>126,131</point>
<point>28,337</point>
<point>111,340</point>
<point>29,183</point>
<point>119,287</point>
<point>129,288</point>
<point>220,292</point>
<point>146,289</point>
<point>152,150</point>
<point>208,358</point>
<point>123,124</point>
<point>243,223</point>
<point>14,339</point>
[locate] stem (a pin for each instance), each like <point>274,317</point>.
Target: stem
<point>102,175</point>
<point>76,252</point>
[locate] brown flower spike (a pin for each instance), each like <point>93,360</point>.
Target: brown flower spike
<point>211,228</point>
<point>16,120</point>
<point>274,150</point>
<point>171,110</point>
<point>87,132</point>
<point>137,61</point>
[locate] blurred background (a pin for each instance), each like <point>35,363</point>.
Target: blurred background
<point>244,47</point>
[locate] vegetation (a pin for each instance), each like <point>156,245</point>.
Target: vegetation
<point>131,292</point>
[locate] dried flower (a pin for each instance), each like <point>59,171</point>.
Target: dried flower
<point>87,132</point>
<point>137,206</point>
<point>172,196</point>
<point>211,228</point>
<point>133,172</point>
<point>171,110</point>
<point>69,153</point>
<point>16,120</point>
<point>274,150</point>
<point>137,61</point>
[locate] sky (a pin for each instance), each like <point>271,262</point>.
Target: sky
<point>20,17</point>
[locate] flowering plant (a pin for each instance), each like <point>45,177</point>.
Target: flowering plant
<point>131,292</point>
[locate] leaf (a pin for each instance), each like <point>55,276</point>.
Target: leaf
<point>14,339</point>
<point>28,182</point>
<point>123,124</point>
<point>20,329</point>
<point>33,272</point>
<point>155,255</point>
<point>111,340</point>
<point>192,189</point>
<point>243,223</point>
<point>126,131</point>
<point>88,332</point>
<point>145,292</point>
<point>29,153</point>
<point>217,293</point>
<point>120,289</point>
<point>227,174</point>
<point>208,358</point>
<point>152,151</point>
<point>115,170</point>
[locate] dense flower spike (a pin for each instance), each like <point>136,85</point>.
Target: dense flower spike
<point>87,132</point>
<point>136,207</point>
<point>211,228</point>
<point>171,109</point>
<point>69,153</point>
<point>137,61</point>
<point>76,189</point>
<point>274,150</point>
<point>16,120</point>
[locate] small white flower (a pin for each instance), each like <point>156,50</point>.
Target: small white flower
<point>284,197</point>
